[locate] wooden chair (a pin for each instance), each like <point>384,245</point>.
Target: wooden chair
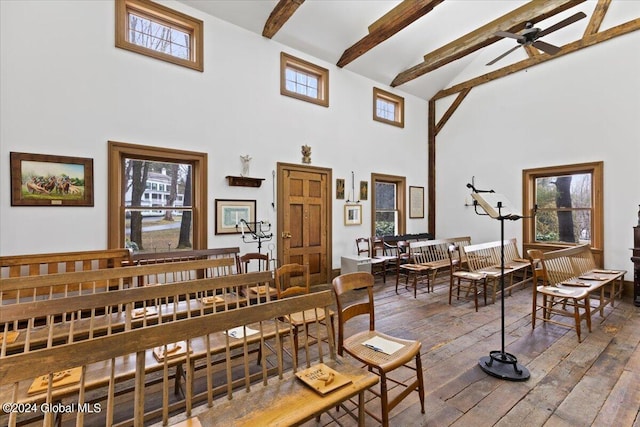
<point>378,265</point>
<point>575,304</point>
<point>379,250</point>
<point>254,261</point>
<point>403,256</point>
<point>292,280</point>
<point>376,360</point>
<point>466,281</point>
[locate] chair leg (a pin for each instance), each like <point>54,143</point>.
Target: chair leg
<point>384,399</point>
<point>420,381</point>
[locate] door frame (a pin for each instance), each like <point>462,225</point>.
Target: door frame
<point>329,212</point>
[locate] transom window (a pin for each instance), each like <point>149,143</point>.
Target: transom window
<point>154,30</point>
<point>388,108</point>
<point>568,205</point>
<point>303,80</point>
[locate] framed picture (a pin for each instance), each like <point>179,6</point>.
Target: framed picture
<point>340,188</point>
<point>229,213</point>
<point>47,180</point>
<point>364,190</point>
<point>352,214</point>
<point>416,202</point>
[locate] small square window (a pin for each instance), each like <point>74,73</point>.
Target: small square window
<point>148,28</point>
<point>303,80</point>
<point>388,108</point>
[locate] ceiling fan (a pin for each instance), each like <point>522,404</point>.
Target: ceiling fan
<point>531,34</point>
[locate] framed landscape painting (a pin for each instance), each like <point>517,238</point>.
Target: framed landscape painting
<point>48,180</point>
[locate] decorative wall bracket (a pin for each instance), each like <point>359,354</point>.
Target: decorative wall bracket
<point>244,181</point>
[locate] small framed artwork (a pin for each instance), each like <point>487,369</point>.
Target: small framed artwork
<point>416,202</point>
<point>340,188</point>
<point>352,214</point>
<point>48,180</point>
<point>364,190</point>
<point>230,213</point>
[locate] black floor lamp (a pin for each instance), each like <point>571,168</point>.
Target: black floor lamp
<point>499,363</point>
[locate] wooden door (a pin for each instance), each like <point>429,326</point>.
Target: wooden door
<point>304,219</point>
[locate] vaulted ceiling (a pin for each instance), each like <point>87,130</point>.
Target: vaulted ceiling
<point>428,48</point>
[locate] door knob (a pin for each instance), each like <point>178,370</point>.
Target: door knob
<point>286,235</point>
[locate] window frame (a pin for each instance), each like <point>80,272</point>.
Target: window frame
<point>401,188</point>
<point>117,152</point>
<point>297,64</point>
<point>166,16</point>
<point>398,101</point>
<point>529,176</point>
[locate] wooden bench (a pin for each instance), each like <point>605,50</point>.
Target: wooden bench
<point>101,361</point>
<point>486,259</point>
<point>52,263</point>
<point>427,258</point>
<point>168,303</point>
<point>42,317</point>
<point>566,279</point>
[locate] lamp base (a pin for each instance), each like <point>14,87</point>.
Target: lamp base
<point>504,366</point>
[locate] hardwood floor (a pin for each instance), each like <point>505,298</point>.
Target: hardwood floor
<point>596,382</point>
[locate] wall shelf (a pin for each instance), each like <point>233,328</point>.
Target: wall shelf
<point>244,181</point>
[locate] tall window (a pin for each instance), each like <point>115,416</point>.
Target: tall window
<point>157,198</point>
<point>388,205</point>
<point>567,201</point>
<point>303,80</point>
<point>388,108</point>
<point>154,30</point>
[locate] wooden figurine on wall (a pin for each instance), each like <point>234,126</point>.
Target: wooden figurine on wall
<point>306,154</point>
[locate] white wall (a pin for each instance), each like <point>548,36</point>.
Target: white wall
<point>67,90</point>
<point>582,107</point>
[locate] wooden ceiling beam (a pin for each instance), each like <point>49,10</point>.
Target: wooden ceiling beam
<point>596,18</point>
<point>514,21</point>
<point>279,16</point>
<point>586,41</point>
<point>391,23</point>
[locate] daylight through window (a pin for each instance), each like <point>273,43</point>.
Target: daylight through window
<point>303,80</point>
<point>388,108</point>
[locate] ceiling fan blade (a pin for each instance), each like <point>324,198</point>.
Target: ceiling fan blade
<point>509,35</point>
<point>503,55</point>
<point>570,20</point>
<point>546,47</point>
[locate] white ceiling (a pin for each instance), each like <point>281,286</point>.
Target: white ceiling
<point>325,28</point>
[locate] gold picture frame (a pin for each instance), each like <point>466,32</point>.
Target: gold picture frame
<point>49,180</point>
<point>352,214</point>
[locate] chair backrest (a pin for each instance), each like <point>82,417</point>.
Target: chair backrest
<point>378,248</point>
<point>292,279</point>
<point>455,258</point>
<point>538,267</point>
<point>344,284</point>
<point>402,251</point>
<point>254,261</point>
<point>362,246</point>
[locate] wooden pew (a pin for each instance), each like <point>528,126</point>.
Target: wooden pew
<point>53,263</point>
<point>104,362</point>
<point>428,257</point>
<point>567,279</point>
<point>485,258</point>
<point>41,321</point>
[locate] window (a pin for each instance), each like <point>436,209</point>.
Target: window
<point>388,205</point>
<point>303,80</point>
<point>568,205</point>
<point>154,30</point>
<point>388,108</point>
<point>146,221</point>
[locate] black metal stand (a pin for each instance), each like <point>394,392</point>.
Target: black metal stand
<point>259,232</point>
<point>499,363</point>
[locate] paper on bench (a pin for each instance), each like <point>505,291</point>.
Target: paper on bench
<point>382,345</point>
<point>557,290</point>
<point>241,332</point>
